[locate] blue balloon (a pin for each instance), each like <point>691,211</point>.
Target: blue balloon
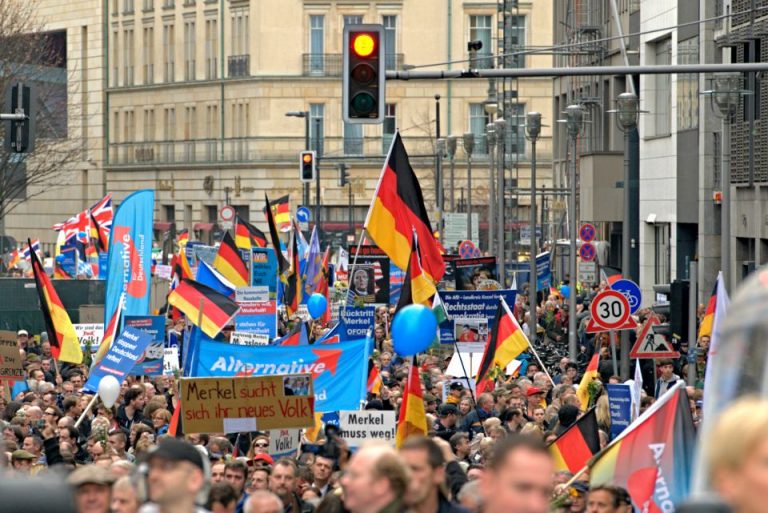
<point>317,304</point>
<point>413,330</point>
<point>565,291</point>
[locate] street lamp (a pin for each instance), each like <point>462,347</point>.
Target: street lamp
<point>450,146</point>
<point>724,98</point>
<point>574,116</point>
<point>627,113</point>
<point>303,114</point>
<point>532,132</point>
<point>501,125</point>
<point>490,134</point>
<point>469,146</point>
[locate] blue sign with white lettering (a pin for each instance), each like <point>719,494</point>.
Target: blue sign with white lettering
<point>620,406</point>
<point>356,322</point>
<point>127,349</point>
<point>473,308</point>
<point>630,290</point>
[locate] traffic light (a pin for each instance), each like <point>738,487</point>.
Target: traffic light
<point>661,307</point>
<point>20,136</point>
<point>363,74</point>
<point>678,309</point>
<point>307,166</point>
<point>343,175</point>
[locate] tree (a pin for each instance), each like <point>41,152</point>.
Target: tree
<point>34,56</point>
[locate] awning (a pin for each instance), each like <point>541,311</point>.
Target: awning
<point>162,226</point>
<point>203,227</point>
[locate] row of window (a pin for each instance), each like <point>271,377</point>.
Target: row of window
<point>147,5</point>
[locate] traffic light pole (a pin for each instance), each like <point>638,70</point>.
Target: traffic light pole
<point>306,147</point>
<point>317,176</point>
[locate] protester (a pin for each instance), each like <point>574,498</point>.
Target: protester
<point>376,481</point>
<point>176,478</point>
<point>92,488</point>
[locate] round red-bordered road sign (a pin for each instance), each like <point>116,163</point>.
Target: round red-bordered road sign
<point>610,309</point>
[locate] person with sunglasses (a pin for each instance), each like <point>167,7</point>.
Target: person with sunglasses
<point>260,445</point>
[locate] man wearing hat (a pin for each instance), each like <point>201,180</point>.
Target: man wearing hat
<point>23,461</point>
<point>455,391</point>
<point>176,478</point>
<point>22,340</point>
<point>93,488</point>
<point>445,425</point>
<point>535,397</point>
<point>578,493</point>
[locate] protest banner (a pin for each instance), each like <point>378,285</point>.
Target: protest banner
<point>369,282</point>
<point>232,405</point>
<point>543,272</point>
<point>163,272</point>
<point>264,270</point>
<point>359,426</point>
<point>90,335</point>
<point>284,443</point>
<point>470,317</point>
<point>396,280</point>
<point>10,359</point>
<point>469,273</point>
<point>466,382</point>
<point>170,361</point>
<point>258,313</point>
<point>151,363</point>
<point>357,321</point>
<point>339,371</point>
<point>620,406</point>
<point>123,354</point>
<point>248,339</point>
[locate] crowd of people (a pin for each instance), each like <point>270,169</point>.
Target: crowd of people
<point>486,453</point>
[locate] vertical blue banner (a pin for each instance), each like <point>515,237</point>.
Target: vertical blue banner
<point>264,270</point>
<point>620,404</point>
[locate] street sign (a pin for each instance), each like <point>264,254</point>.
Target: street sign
<point>587,252</point>
<point>227,217</point>
<point>303,214</point>
<point>631,291</point>
<point>467,249</point>
<point>587,232</point>
<point>610,311</point>
<point>587,272</point>
<point>455,228</point>
<point>652,345</point>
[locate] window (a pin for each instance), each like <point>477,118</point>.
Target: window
<point>128,49</point>
<point>688,86</point>
<point>240,127</point>
<point>212,130</point>
<point>148,5</point>
<point>190,132</point>
<point>115,57</point>
<point>169,212</point>
<point>353,19</point>
<point>389,126</point>
<point>169,64</point>
<point>115,7</point>
<point>477,121</point>
<point>239,62</point>
<point>168,4</point>
<point>148,55</point>
<point>316,44</point>
<point>211,48</point>
<point>244,212</point>
<point>316,126</point>
<point>169,133</point>
<point>515,41</point>
<point>149,124</point>
<point>480,30</point>
<point>390,41</point>
<point>514,132</point>
<point>116,126</point>
<point>129,126</point>
<point>127,6</point>
<point>662,91</point>
<point>662,252</point>
<point>189,50</point>
<point>353,139</point>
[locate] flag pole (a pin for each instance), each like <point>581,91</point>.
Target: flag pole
<point>533,349</point>
<point>352,267</point>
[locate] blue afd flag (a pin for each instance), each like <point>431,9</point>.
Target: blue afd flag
<point>127,349</point>
<point>339,371</point>
<point>130,257</point>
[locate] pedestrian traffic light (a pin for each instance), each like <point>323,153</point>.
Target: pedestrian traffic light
<point>363,74</point>
<point>661,307</point>
<point>307,166</point>
<point>343,175</point>
<point>20,136</point>
<point>678,309</point>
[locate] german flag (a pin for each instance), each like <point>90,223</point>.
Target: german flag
<point>282,263</point>
<point>248,236</point>
<point>589,376</point>
<point>280,209</point>
<point>413,417</point>
<point>65,345</point>
<point>417,287</point>
<point>182,237</point>
<point>217,312</point>
<point>576,446</point>
<point>173,427</point>
<point>292,290</point>
<point>505,343</point>
<point>374,378</point>
<point>397,210</point>
<point>705,329</point>
<point>229,262</point>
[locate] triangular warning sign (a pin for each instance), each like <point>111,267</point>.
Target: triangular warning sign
<point>594,327</point>
<point>652,345</point>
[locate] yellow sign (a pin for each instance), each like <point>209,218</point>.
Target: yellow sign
<point>10,358</point>
<point>233,405</point>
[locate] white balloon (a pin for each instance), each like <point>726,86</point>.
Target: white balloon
<point>109,389</point>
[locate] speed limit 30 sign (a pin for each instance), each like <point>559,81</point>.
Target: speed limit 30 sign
<point>610,311</point>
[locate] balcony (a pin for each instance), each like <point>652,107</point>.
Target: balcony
<point>238,66</point>
<point>330,64</point>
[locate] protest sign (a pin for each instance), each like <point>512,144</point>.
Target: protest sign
<point>206,253</point>
<point>170,361</point>
<point>123,354</point>
<point>469,273</point>
<point>151,363</point>
<point>248,339</point>
<point>340,371</point>
<point>543,272</point>
<point>358,426</point>
<point>357,321</point>
<point>465,382</point>
<point>10,359</point>
<point>163,271</point>
<point>232,405</point>
<point>620,405</point>
<point>396,280</point>
<point>264,270</point>
<point>90,335</point>
<point>258,313</point>
<point>284,443</point>
<point>470,317</point>
<point>369,282</point>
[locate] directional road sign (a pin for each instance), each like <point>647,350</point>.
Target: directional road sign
<point>631,291</point>
<point>303,214</point>
<point>610,311</point>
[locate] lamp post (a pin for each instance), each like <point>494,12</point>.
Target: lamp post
<point>490,134</point>
<point>303,114</point>
<point>469,146</point>
<point>450,146</point>
<point>501,125</point>
<point>439,199</point>
<point>574,115</point>
<point>532,132</point>
<point>724,96</point>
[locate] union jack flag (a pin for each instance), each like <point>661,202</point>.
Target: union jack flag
<point>102,212</point>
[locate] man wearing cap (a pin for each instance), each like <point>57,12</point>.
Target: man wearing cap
<point>22,340</point>
<point>176,478</point>
<point>578,493</point>
<point>455,391</point>
<point>445,425</point>
<point>535,397</point>
<point>23,461</point>
<point>93,489</point>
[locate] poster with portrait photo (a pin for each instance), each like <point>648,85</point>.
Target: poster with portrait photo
<point>471,272</point>
<point>470,333</point>
<point>369,278</point>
